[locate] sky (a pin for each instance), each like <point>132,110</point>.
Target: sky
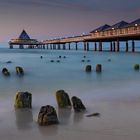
<point>48,19</point>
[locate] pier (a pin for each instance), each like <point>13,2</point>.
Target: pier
<point>119,32</point>
<point>24,40</point>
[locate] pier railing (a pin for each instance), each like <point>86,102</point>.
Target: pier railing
<point>117,32</point>
<point>121,32</point>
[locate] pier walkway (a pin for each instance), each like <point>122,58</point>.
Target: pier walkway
<point>114,34</point>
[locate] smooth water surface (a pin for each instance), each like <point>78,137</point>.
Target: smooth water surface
<point>117,82</point>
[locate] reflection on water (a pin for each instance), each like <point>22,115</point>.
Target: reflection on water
<point>50,130</point>
<point>24,118</point>
<point>77,117</point>
<point>64,115</point>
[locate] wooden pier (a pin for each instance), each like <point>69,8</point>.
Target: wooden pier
<point>114,34</point>
<point>24,40</point>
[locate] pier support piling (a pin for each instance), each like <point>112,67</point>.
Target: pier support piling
<point>87,46</point>
<point>76,46</point>
<point>51,46</point>
<point>64,46</point>
<point>58,46</point>
<point>114,47</point>
<point>11,46</point>
<point>111,48</point>
<point>95,46</point>
<point>118,46</point>
<point>69,46</point>
<point>133,46</point>
<point>21,46</point>
<point>126,46</point>
<point>100,46</point>
<point>47,46</point>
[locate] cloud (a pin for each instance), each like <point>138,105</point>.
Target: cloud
<point>49,3</point>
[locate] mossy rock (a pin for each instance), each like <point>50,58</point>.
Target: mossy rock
<point>63,99</point>
<point>23,100</point>
<point>136,67</point>
<point>5,72</point>
<point>88,68</point>
<point>47,116</point>
<point>78,106</point>
<point>19,70</point>
<point>98,68</point>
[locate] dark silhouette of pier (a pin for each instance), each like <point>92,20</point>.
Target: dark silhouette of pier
<point>119,32</point>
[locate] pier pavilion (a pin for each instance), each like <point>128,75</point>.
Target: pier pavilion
<point>24,40</point>
<point>119,32</point>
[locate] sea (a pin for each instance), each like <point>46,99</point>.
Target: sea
<point>118,81</point>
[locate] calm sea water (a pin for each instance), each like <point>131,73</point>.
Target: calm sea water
<point>43,77</point>
<point>118,81</point>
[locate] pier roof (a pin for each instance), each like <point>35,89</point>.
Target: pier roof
<point>24,39</point>
<point>118,25</point>
<point>134,23</point>
<point>101,28</point>
<point>24,35</point>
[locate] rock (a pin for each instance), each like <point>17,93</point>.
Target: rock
<point>19,70</point>
<point>58,61</point>
<point>63,99</point>
<point>88,68</point>
<point>47,116</point>
<point>23,100</point>
<point>78,106</point>
<point>5,72</point>
<point>8,62</point>
<point>136,66</point>
<point>52,61</point>
<point>109,60</point>
<point>98,68</point>
<point>93,115</point>
<point>88,60</point>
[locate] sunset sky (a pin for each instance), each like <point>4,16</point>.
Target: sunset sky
<point>45,19</point>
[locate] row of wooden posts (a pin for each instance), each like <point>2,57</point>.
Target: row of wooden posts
<point>98,46</point>
<point>114,46</point>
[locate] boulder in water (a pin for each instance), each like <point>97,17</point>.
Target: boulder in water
<point>78,106</point>
<point>98,68</point>
<point>23,100</point>
<point>63,99</point>
<point>19,70</point>
<point>47,116</point>
<point>8,62</point>
<point>136,67</point>
<point>58,61</point>
<point>88,68</point>
<point>5,72</point>
<point>52,61</point>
